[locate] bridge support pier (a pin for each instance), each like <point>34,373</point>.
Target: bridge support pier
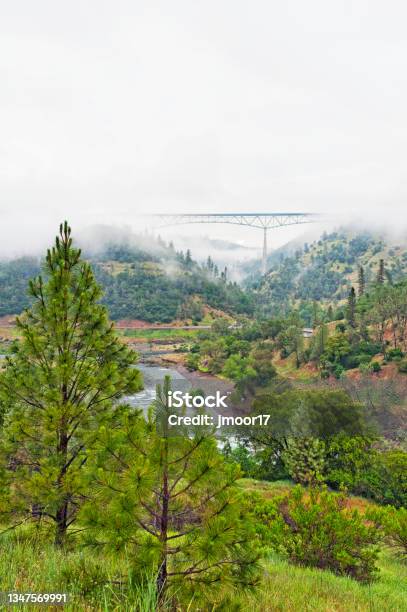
<point>264,259</point>
<point>264,221</point>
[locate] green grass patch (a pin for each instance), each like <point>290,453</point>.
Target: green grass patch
<point>160,334</point>
<point>287,588</point>
<point>287,369</point>
<point>97,581</point>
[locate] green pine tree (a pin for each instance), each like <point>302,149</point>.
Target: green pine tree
<point>210,264</point>
<point>318,342</point>
<point>361,281</point>
<point>169,498</point>
<point>188,259</point>
<point>295,340</point>
<point>351,310</point>
<point>61,384</point>
<point>381,273</point>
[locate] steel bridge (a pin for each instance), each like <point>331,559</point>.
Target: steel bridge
<point>264,221</point>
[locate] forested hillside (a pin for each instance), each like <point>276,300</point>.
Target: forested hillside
<point>14,276</point>
<point>158,285</point>
<point>325,270</point>
<point>152,281</point>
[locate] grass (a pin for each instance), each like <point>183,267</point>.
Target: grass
<point>293,589</point>
<point>96,580</point>
<point>160,334</point>
<point>287,369</point>
<point>267,489</point>
<point>91,582</point>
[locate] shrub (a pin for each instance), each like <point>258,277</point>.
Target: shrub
<point>393,523</point>
<point>403,366</point>
<point>270,464</point>
<point>339,371</point>
<point>375,366</point>
<point>395,354</point>
<point>347,460</point>
<point>351,361</point>
<point>370,348</point>
<point>316,529</point>
<point>364,358</point>
<point>304,459</point>
<point>385,480</point>
<point>242,455</point>
<point>192,361</point>
<point>364,368</point>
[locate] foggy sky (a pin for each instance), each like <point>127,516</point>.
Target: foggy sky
<point>112,108</point>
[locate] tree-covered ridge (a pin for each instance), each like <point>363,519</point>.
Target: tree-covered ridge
<point>157,286</point>
<point>14,277</point>
<point>167,287</point>
<point>150,280</point>
<point>326,269</point>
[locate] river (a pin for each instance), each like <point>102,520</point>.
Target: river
<point>153,375</point>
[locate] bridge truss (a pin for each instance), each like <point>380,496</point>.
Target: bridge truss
<point>264,221</point>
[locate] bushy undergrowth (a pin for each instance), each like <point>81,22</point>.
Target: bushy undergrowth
<point>393,523</point>
<point>315,528</point>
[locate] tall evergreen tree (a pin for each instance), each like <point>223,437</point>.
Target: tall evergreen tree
<point>361,281</point>
<point>188,259</point>
<point>330,313</point>
<point>319,341</point>
<point>351,310</point>
<point>168,496</point>
<point>381,272</point>
<point>316,314</point>
<point>291,338</point>
<point>61,384</point>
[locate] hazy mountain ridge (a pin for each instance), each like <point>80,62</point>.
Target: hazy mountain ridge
<point>146,278</point>
<point>326,269</point>
<point>157,285</point>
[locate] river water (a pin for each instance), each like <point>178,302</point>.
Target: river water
<point>153,375</point>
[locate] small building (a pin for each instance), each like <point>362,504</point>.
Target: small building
<point>307,332</point>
